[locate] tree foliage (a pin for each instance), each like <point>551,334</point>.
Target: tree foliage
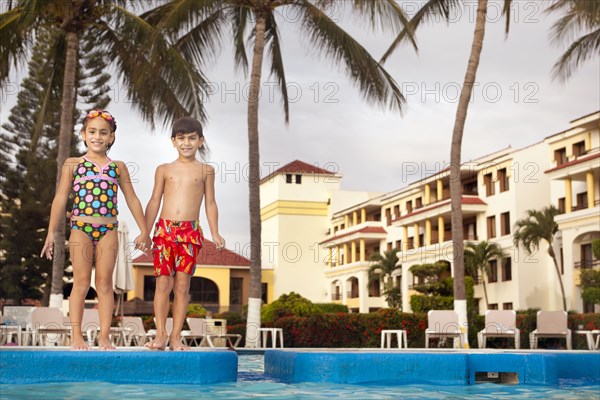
<point>289,305</point>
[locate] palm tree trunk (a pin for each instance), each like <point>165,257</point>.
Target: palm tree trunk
<point>64,145</point>
<point>460,302</point>
<point>485,293</point>
<point>254,301</point>
<point>562,288</point>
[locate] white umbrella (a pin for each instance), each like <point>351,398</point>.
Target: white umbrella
<point>123,274</point>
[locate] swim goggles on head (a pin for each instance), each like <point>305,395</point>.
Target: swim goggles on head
<point>103,114</point>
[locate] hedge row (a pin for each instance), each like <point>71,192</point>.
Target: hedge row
<point>364,330</point>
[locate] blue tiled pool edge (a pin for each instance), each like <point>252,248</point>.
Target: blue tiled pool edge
<point>193,367</point>
<point>437,368</point>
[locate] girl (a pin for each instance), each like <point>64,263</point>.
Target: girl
<point>93,181</point>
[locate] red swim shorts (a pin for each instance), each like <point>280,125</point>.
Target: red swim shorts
<point>176,246</point>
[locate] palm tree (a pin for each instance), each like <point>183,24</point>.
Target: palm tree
<point>579,16</point>
<point>200,25</point>
<point>539,226</point>
<point>158,81</point>
<point>478,257</point>
<point>443,8</point>
<point>383,267</point>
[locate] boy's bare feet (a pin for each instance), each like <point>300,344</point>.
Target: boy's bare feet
<point>79,344</point>
<point>158,343</point>
<point>105,344</point>
<point>177,345</point>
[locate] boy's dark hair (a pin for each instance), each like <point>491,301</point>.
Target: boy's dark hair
<point>186,125</point>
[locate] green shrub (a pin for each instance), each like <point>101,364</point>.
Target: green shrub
<point>196,311</point>
<point>332,308</point>
<point>232,318</point>
<point>288,305</point>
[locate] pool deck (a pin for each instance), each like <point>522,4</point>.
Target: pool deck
<point>27,365</point>
<point>437,367</point>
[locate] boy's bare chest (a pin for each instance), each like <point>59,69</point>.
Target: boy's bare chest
<point>184,182</point>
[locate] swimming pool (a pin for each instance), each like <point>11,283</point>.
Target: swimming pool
<point>253,383</point>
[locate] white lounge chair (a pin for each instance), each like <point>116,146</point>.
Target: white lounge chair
<point>551,324</point>
<point>135,331</point>
<point>48,327</point>
<point>442,324</point>
<point>499,323</point>
<point>211,332</point>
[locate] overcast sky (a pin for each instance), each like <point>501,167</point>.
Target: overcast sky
<point>516,103</point>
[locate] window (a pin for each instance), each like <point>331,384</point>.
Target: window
<point>298,179</point>
<point>560,156</point>
<point>390,246</point>
<point>409,206</point>
<point>493,306</point>
<point>582,201</point>
<point>397,210</point>
<point>374,288</point>
<point>398,283</point>
<point>503,179</point>
<point>491,227</point>
<point>493,271</point>
<point>470,186</point>
<point>235,293</point>
<point>561,205</point>
<point>388,216</point>
<point>418,202</point>
<point>505,223</point>
<point>265,290</point>
<point>149,287</point>
<point>489,185</point>
<point>399,244</point>
<point>507,306</point>
<point>203,291</point>
<point>507,270</point>
<point>288,178</point>
<point>579,148</point>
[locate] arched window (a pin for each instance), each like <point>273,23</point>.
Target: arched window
<point>203,291</point>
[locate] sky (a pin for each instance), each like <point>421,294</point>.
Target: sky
<point>515,103</point>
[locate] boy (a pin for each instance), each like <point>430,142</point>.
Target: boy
<point>177,236</point>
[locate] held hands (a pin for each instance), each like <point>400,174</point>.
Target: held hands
<point>219,241</point>
<point>143,243</point>
<point>48,249</point>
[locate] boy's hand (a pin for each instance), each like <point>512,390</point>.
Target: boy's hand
<point>219,241</point>
<point>142,242</point>
<point>48,249</point>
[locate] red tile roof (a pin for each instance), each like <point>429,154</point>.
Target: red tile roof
<point>367,229</point>
<point>209,255</point>
<point>298,167</point>
<point>573,162</point>
<point>464,200</point>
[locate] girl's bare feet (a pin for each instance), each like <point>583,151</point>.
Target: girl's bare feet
<point>177,345</point>
<point>158,343</point>
<point>79,344</point>
<point>104,343</point>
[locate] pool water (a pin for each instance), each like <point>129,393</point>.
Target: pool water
<point>253,384</point>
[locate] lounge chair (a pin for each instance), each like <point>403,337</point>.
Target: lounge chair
<point>90,324</point>
<point>135,331</point>
<point>499,323</point>
<point>551,324</point>
<point>209,330</point>
<point>442,324</point>
<point>48,326</point>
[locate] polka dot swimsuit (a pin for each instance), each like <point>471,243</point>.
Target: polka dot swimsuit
<point>95,189</point>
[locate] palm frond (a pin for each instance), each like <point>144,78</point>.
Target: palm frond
<point>14,40</point>
<point>373,82</point>
<point>239,21</point>
<point>429,11</point>
<point>203,39</point>
<point>159,82</point>
<point>274,49</point>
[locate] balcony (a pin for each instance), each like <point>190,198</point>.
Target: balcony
<point>336,296</point>
<point>587,264</point>
<point>352,294</point>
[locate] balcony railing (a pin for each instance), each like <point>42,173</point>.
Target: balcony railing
<point>353,294</point>
<point>587,264</point>
<point>336,296</point>
<point>374,293</point>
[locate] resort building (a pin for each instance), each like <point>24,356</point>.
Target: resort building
<point>220,282</point>
<point>318,239</point>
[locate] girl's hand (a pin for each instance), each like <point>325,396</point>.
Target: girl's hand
<point>219,241</point>
<point>48,249</point>
<point>142,242</point>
